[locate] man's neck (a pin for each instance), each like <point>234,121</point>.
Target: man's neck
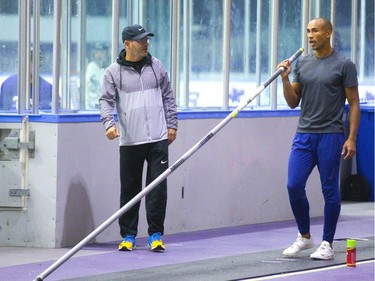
<point>132,58</point>
<point>324,52</point>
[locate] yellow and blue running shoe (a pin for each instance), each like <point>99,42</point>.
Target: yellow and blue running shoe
<point>155,243</point>
<point>128,244</point>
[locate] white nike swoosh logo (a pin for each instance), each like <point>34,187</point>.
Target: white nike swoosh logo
<point>140,29</point>
<point>163,162</point>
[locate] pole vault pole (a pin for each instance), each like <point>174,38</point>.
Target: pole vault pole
<point>164,175</point>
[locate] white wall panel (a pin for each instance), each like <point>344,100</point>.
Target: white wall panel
<point>237,178</point>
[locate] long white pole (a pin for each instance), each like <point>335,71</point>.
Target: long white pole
<point>163,176</point>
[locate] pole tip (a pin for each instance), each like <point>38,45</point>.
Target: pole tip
<point>302,50</point>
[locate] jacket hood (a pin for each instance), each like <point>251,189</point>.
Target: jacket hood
<point>121,58</point>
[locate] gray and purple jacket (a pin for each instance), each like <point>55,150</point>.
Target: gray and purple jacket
<point>144,101</point>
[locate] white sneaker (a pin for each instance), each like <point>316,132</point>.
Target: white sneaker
<point>324,252</point>
<point>299,245</point>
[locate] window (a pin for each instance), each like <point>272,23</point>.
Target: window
<point>206,77</point>
<point>10,53</point>
<point>290,36</point>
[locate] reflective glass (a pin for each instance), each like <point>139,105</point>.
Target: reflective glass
<point>97,52</point>
<point>8,53</point>
<point>86,46</point>
<point>46,51</point>
<point>289,37</point>
<point>156,18</point>
<point>205,51</point>
<point>243,51</point>
<point>265,49</point>
<point>9,37</point>
<point>125,16</point>
<point>366,51</point>
<point>342,28</point>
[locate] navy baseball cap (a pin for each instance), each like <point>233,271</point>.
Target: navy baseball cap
<point>135,32</point>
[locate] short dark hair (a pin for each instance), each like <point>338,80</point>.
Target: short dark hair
<point>326,23</point>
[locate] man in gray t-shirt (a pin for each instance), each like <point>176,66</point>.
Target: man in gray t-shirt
<point>322,81</point>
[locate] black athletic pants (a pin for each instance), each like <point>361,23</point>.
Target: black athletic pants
<point>132,160</point>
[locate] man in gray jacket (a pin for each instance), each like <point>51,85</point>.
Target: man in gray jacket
<point>138,86</point>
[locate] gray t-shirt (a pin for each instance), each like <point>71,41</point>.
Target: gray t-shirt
<point>323,82</point>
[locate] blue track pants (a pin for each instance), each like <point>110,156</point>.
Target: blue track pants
<point>324,151</point>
